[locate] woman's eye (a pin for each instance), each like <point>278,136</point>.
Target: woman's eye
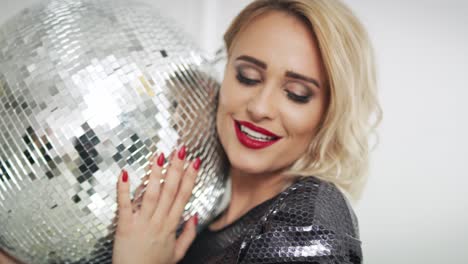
<point>298,98</point>
<point>298,92</point>
<point>247,81</point>
<point>248,75</point>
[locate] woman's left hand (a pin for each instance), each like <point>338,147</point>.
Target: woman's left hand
<point>148,235</point>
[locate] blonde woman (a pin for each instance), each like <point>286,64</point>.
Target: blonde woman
<point>296,106</point>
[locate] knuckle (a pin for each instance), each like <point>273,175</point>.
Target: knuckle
<point>176,171</point>
<point>151,194</point>
<point>155,170</point>
<point>193,175</point>
<point>170,190</point>
<point>153,183</point>
<point>124,205</point>
<point>186,192</point>
<point>122,189</point>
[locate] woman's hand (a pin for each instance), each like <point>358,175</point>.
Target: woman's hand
<point>148,234</point>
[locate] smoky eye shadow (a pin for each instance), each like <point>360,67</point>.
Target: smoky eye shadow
<point>249,72</point>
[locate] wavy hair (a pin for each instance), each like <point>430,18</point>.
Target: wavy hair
<point>339,153</point>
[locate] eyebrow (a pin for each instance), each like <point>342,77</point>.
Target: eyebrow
<point>253,60</point>
<point>289,74</point>
<point>294,75</point>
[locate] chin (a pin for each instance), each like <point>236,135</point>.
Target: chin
<point>249,166</point>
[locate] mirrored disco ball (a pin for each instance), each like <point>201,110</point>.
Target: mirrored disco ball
<point>87,88</point>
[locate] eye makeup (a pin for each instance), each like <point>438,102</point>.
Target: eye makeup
<point>244,80</point>
<point>298,92</point>
<point>293,75</point>
<point>298,98</point>
<point>248,75</point>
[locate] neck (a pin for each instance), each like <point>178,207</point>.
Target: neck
<point>249,190</point>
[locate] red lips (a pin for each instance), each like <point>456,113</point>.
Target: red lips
<point>250,142</point>
<point>257,129</point>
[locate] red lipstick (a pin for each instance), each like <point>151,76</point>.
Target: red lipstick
<point>257,129</point>
<point>251,142</point>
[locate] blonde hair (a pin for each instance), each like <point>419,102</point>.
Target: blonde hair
<point>339,153</point>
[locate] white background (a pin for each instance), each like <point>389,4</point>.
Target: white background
<point>415,208</point>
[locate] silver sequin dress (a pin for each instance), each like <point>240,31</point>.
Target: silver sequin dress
<point>309,222</point>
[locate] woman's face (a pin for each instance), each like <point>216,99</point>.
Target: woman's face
<point>272,97</point>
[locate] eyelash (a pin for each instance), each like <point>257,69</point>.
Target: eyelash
<point>249,82</point>
<point>298,98</point>
<point>244,80</point>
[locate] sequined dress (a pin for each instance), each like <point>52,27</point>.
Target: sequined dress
<point>309,222</point>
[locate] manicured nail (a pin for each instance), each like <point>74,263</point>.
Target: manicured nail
<point>197,163</point>
<point>124,176</point>
<point>195,219</point>
<point>161,160</point>
<point>181,153</point>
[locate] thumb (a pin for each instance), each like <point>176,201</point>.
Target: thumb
<point>186,238</point>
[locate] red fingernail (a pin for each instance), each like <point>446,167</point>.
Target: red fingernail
<point>161,160</point>
<point>124,176</point>
<point>181,153</point>
<point>195,219</point>
<point>197,163</point>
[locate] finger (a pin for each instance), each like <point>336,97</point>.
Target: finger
<point>152,193</point>
<point>185,192</point>
<point>171,185</point>
<point>186,238</point>
<point>123,198</point>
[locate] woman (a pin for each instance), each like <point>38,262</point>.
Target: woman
<point>294,115</point>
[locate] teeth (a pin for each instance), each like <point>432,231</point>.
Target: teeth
<point>255,135</point>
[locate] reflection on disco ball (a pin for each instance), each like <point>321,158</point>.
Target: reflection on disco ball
<point>88,88</point>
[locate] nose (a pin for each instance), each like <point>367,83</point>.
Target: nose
<point>262,105</point>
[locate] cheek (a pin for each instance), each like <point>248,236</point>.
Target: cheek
<point>222,106</point>
<point>302,124</point>
<point>230,96</point>
<point>226,106</point>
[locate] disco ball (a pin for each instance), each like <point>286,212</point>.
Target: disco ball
<point>87,88</point>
